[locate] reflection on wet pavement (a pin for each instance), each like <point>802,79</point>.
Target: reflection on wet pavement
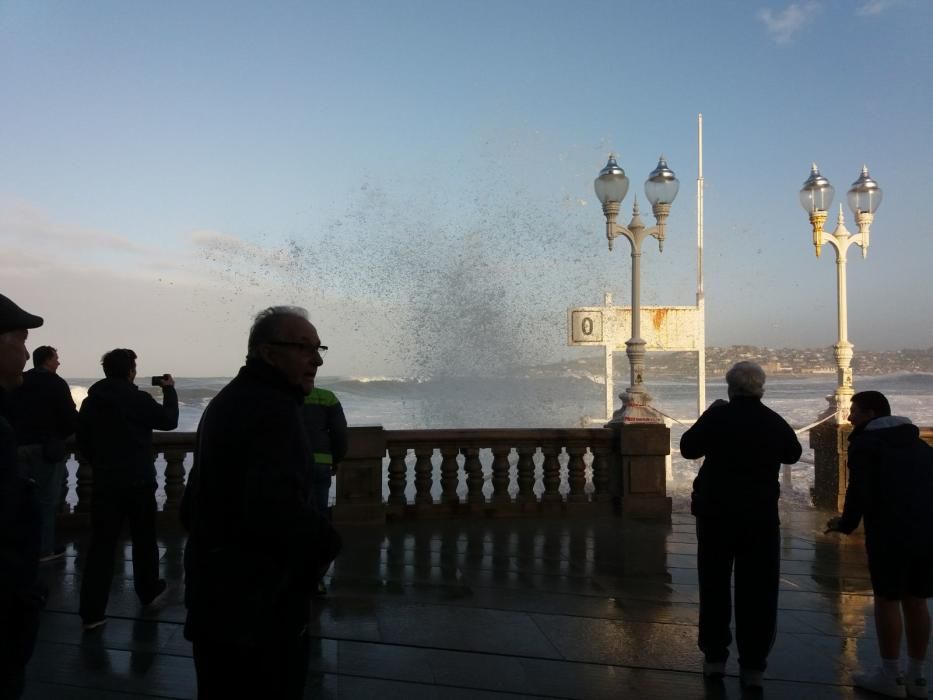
<point>564,607</point>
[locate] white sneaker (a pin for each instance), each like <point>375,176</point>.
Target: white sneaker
<point>880,682</point>
<point>916,687</point>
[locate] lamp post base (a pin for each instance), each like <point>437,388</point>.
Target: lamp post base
<point>636,409</point>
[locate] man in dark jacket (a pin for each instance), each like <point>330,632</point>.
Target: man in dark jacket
<point>256,540</point>
<point>20,595</point>
<point>891,487</point>
<point>43,416</point>
<point>115,427</point>
<point>735,499</point>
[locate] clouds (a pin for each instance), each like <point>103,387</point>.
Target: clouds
<point>785,24</point>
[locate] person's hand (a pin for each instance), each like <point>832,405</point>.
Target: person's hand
<point>168,380</point>
<point>832,525</point>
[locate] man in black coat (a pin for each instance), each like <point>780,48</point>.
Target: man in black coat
<point>891,487</point>
<point>43,416</point>
<point>256,540</point>
<point>21,597</point>
<point>115,427</point>
<point>735,499</point>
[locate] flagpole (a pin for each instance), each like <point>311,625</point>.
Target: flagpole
<point>701,351</point>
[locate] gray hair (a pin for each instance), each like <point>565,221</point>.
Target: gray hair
<point>746,379</point>
<point>265,326</point>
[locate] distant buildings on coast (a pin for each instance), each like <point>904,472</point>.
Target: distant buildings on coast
<point>808,361</point>
<point>775,361</point>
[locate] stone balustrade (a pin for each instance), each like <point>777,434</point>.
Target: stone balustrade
<point>451,473</point>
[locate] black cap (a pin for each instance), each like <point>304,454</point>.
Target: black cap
<point>13,318</point>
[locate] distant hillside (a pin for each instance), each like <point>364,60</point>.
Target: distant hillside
<point>790,361</point>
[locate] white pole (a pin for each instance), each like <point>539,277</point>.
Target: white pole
<point>701,303</point>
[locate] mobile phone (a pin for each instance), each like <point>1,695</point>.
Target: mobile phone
<point>158,379</point>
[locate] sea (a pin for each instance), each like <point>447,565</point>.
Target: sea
<point>565,398</point>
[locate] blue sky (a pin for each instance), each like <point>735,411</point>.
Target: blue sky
<point>419,174</point>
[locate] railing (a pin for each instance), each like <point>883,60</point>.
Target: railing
<point>501,470</point>
<point>441,473</point>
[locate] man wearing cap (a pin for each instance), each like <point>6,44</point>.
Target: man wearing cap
<point>20,595</point>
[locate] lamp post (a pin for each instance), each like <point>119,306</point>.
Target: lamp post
<point>864,199</point>
<point>661,189</point>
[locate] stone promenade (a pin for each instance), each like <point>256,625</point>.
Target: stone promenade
<point>571,607</point>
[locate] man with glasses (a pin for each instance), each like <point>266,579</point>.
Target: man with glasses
<point>256,541</point>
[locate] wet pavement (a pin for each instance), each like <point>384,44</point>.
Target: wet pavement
<point>565,607</point>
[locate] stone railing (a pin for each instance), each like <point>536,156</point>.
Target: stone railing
<point>453,473</point>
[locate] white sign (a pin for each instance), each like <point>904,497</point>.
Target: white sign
<point>663,328</point>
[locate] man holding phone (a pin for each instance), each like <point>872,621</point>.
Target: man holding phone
<point>115,427</point>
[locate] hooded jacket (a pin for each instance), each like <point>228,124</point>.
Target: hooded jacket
<point>744,443</point>
<point>890,485</point>
<point>115,427</point>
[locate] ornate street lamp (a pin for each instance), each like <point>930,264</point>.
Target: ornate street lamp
<point>660,189</point>
<point>864,197</point>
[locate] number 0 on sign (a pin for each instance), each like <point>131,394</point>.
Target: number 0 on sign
<point>586,327</point>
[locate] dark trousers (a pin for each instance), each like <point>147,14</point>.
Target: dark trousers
<point>111,507</point>
<point>754,549</point>
<point>48,477</point>
<point>278,669</point>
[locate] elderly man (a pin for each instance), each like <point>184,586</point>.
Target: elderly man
<point>43,415</point>
<point>20,595</point>
<point>256,543</point>
<point>735,499</point>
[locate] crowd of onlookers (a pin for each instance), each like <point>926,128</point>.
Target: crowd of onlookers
<point>255,506</point>
<point>255,509</point>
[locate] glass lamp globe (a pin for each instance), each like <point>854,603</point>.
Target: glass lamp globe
<point>865,194</point>
<point>816,193</point>
<point>662,185</point>
<point>612,184</point>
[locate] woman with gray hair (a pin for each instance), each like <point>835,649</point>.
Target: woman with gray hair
<point>734,500</point>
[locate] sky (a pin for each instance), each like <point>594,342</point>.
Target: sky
<point>419,174</point>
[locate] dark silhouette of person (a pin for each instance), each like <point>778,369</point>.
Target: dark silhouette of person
<point>735,501</point>
<point>115,427</point>
<point>256,541</point>
<point>891,489</point>
<point>43,416</point>
<point>21,597</point>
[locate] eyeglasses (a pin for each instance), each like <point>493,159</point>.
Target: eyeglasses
<point>303,348</point>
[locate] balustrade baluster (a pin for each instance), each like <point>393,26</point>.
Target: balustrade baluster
<point>423,480</point>
<point>63,507</point>
<point>474,476</point>
<point>551,470</point>
<point>174,479</point>
<point>526,474</point>
<point>500,474</point>
<point>602,458</point>
<point>449,468</point>
<point>576,474</point>
<point>397,475</point>
<point>84,484</point>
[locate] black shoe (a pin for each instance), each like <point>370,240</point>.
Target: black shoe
<point>160,589</point>
<point>56,553</point>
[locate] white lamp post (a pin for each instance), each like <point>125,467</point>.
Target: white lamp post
<point>864,198</point>
<point>661,189</point>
